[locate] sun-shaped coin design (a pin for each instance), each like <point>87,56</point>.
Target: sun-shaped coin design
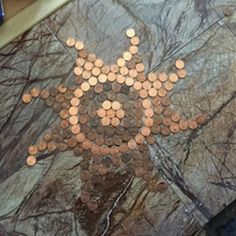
<point>110,116</point>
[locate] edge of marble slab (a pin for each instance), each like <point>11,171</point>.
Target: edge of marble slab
<point>36,12</point>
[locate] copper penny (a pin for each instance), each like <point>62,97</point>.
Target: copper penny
<point>147,85</point>
<point>31,160</point>
<point>152,92</point>
<point>120,113</point>
<point>111,76</point>
<point>110,113</point>
<point>115,121</point>
<point>134,40</point>
<point>183,124</point>
<point>75,101</point>
<point>152,76</point>
<point>102,170</point>
<point>175,117</point>
<point>129,81</point>
<point>27,98</point>
<point>92,57</point>
<point>80,62</point>
<point>133,49</point>
<point>96,71</point>
<point>133,73</point>
<point>165,101</point>
<point>80,137</point>
<point>70,42</point>
<point>149,112</point>
<point>157,84</point>
<point>146,103</point>
<point>35,92</point>
<point>140,67</point>
<point>79,45</point>
<point>73,110</point>
<point>42,145</point>
<point>127,56</point>
<point>88,66</point>
<point>120,62</point>
<point>78,93</point>
<point>139,138</point>
<point>120,79</point>
<point>168,85</point>
<point>64,124</point>
<point>74,120</point>
<point>61,88</point>
<point>192,124</point>
<point>151,139</point>
<point>92,81</point>
<point>78,71</point>
<point>98,88</point>
<point>174,128</point>
<point>105,69</point>
<point>173,78</point>
<point>137,85</point>
<point>143,93</point>
<point>86,74</point>
<point>105,121</point>
<point>102,78</point>
<point>114,68</point>
<point>165,131</point>
<point>182,73</point>
<point>200,119</point>
<point>179,64</point>
<point>130,33</point>
<point>98,63</point>
<point>75,129</point>
<point>32,150</point>
<point>116,105</point>
<point>148,122</point>
<point>52,146</point>
<point>106,105</point>
<point>86,144</point>
<point>101,112</point>
<point>44,94</point>
<point>132,144</point>
<point>163,77</point>
<point>64,114</point>
<point>162,92</point>
<point>124,70</point>
<point>145,131</point>
<point>85,86</point>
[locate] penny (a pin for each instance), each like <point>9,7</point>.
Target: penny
<point>95,149</point>
<point>149,112</point>
<point>75,129</point>
<point>105,121</point>
<point>114,68</point>
<point>116,105</point>
<point>120,113</point>
<point>139,138</point>
<point>73,120</point>
<point>110,113</point>
<point>120,62</point>
<point>129,81</point>
<point>127,56</point>
<point>102,78</point>
<point>157,84</point>
<point>80,137</point>
<point>32,150</point>
<point>179,64</point>
<point>145,131</point>
<point>146,103</point>
<point>106,105</point>
<point>105,69</point>
<point>98,88</point>
<point>52,146</point>
<point>132,144</point>
<point>91,57</point>
<point>78,71</point>
<point>79,45</point>
<point>116,87</point>
<point>70,42</point>
<point>192,124</point>
<point>165,131</point>
<point>101,112</point>
<point>92,205</point>
<point>152,92</point>
<point>133,50</point>
<point>124,70</point>
<point>139,171</point>
<point>133,73</point>
<point>96,71</point>
<point>120,79</point>
<point>141,77</point>
<point>140,67</point>
<point>63,114</point>
<point>111,76</point>
<point>44,94</point>
<point>86,144</point>
<point>61,88</point>
<point>85,197</point>
<point>134,40</point>
<point>35,92</point>
<point>130,33</point>
<point>147,85</point>
<point>83,53</point>
<point>64,124</point>
<point>98,63</point>
<point>73,110</point>
<point>102,170</point>
<point>174,128</point>
<point>166,121</point>
<point>148,122</point>
<point>158,109</point>
<point>163,76</point>
<point>182,73</point>
<point>92,81</point>
<point>89,186</point>
<point>48,136</point>
<point>83,119</point>
<point>80,62</point>
<point>27,98</point>
<point>175,117</point>
<point>162,92</point>
<point>228,11</point>
<point>86,74</point>
<point>115,121</point>
<point>85,86</point>
<point>59,98</point>
<point>165,101</point>
<point>107,87</point>
<point>143,93</point>
<point>200,119</point>
<point>137,85</point>
<point>78,93</point>
<point>151,139</point>
<point>31,160</point>
<point>75,101</point>
<point>42,145</point>
<point>53,91</point>
<point>88,66</point>
<point>168,85</point>
<point>173,78</point>
<point>152,77</point>
<point>85,175</point>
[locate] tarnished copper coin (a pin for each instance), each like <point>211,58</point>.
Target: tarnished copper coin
<point>182,73</point>
<point>174,128</point>
<point>42,145</point>
<point>200,119</point>
<point>183,124</point>
<point>192,124</point>
<point>27,98</point>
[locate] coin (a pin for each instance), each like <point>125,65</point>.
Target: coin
<point>151,139</point>
<point>130,33</point>
<point>86,144</point>
<point>85,175</point>
<point>120,79</point>
<point>168,85</point>
<point>75,129</point>
<point>75,101</point>
<point>140,67</point>
<point>64,124</point>
<point>179,64</point>
<point>200,119</point>
<point>147,85</point>
<point>102,78</point>
<point>163,77</point>
<point>162,92</point>
<point>143,93</point>
<point>132,144</point>
<point>48,136</point>
<point>148,122</point>
<point>139,138</point>
<point>134,40</point>
<point>91,57</point>
<point>85,86</point>
<point>98,88</point>
<point>101,112</point>
<point>133,73</point>
<point>32,150</point>
<point>92,205</point>
<point>124,70</point>
<point>70,42</point>
<point>102,170</point>
<point>165,101</point>
<point>152,92</point>
<point>175,117</point>
<point>80,137</point>
<point>79,45</point>
<point>115,121</point>
<point>133,49</point>
<point>192,124</point>
<point>127,56</point>
<point>129,81</point>
<point>152,77</point>
<point>106,105</point>
<point>165,131</point>
<point>73,110</point>
<point>73,120</point>
<point>80,62</point>
<point>110,113</point>
<point>85,196</point>
<point>116,105</point>
<point>27,98</point>
<point>182,73</point>
<point>111,76</point>
<point>31,160</point>
<point>149,112</point>
<point>116,87</point>
<point>78,71</point>
<point>42,145</point>
<point>120,113</point>
<point>105,121</point>
<point>35,92</point>
<point>63,114</point>
<point>95,149</point>
<point>114,68</point>
<point>96,71</point>
<point>173,78</point>
<point>157,84</point>
<point>137,85</point>
<point>120,62</point>
<point>98,63</point>
<point>174,128</point>
<point>52,146</point>
<point>166,121</point>
<point>145,131</point>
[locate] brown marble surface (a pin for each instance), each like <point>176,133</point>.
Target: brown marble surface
<point>199,165</point>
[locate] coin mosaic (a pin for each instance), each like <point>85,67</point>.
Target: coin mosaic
<point>110,116</point>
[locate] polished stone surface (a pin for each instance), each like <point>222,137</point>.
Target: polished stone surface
<point>199,165</point>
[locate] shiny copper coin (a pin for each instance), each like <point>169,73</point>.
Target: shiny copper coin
<point>166,121</point>
<point>31,160</point>
<point>83,54</point>
<point>143,93</point>
<point>27,98</point>
<point>152,77</point>
<point>101,112</point>
<point>175,117</point>
<point>129,81</point>
<point>78,93</point>
<point>86,144</point>
<point>92,81</point>
<point>111,76</point>
<point>163,77</point>
<point>102,78</point>
<point>105,69</point>
<point>70,42</point>
<point>85,86</point>
<point>120,113</point>
<point>95,149</point>
<point>137,85</point>
<point>130,33</point>
<point>115,121</point>
<point>147,85</point>
<point>32,150</point>
<point>110,113</point>
<point>74,120</point>
<point>145,131</point>
<point>52,146</point>
<point>64,124</point>
<point>114,68</point>
<point>124,70</point>
<point>146,103</point>
<point>127,56</point>
<point>162,92</point>
<point>179,64</point>
<point>75,101</point>
<point>86,74</point>
<point>73,110</point>
<point>61,88</point>
<point>149,112</point>
<point>105,121</point>
<point>42,145</point>
<point>168,85</point>
<point>148,122</point>
<point>173,78</point>
<point>134,40</point>
<point>200,119</point>
<point>92,57</point>
<point>157,84</point>
<point>192,124</point>
<point>48,136</point>
<point>96,71</point>
<point>123,147</point>
<point>106,105</point>
<point>174,128</point>
<point>183,124</point>
<point>80,62</point>
<point>80,137</point>
<point>79,45</point>
<point>132,144</point>
<point>120,79</point>
<point>139,138</point>
<point>64,114</point>
<point>98,63</point>
<point>133,49</point>
<point>75,129</point>
<point>133,73</point>
<point>116,105</point>
<point>78,71</point>
<point>140,67</point>
<point>152,92</point>
<point>182,73</point>
<point>35,92</point>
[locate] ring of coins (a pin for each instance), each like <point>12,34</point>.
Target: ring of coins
<point>111,115</point>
